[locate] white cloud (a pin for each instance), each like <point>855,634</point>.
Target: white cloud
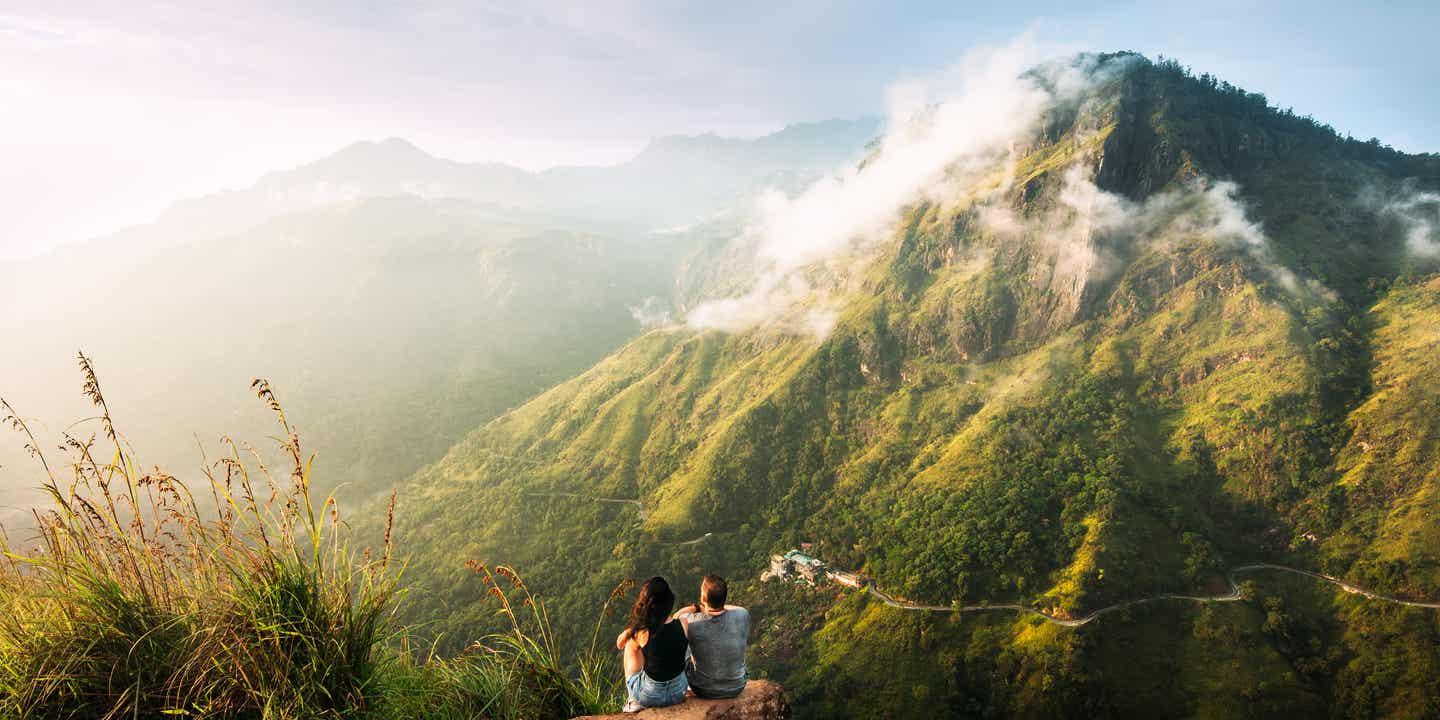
<point>651,313</point>
<point>933,144</point>
<point>1419,216</point>
<point>1091,226</point>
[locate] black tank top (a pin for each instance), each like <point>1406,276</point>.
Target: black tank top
<point>665,652</point>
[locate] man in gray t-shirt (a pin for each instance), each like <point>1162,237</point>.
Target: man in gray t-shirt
<point>718,635</point>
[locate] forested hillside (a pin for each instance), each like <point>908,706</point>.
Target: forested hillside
<point>1162,330</point>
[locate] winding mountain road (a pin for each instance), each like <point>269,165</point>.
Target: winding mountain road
<point>1232,596</point>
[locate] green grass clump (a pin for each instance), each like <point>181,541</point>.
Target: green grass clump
<point>137,600</point>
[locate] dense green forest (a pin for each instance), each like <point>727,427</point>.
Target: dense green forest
<point>1240,370</point>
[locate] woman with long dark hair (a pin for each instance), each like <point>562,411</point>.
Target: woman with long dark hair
<point>654,644</point>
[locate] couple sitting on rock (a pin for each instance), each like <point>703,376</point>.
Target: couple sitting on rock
<point>701,647</point>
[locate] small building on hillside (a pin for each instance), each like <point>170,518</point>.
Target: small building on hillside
<point>795,564</point>
<point>812,569</point>
<point>778,566</point>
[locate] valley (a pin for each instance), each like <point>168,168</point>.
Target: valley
<point>395,298</point>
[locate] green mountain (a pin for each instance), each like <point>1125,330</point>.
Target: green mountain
<point>1155,330</point>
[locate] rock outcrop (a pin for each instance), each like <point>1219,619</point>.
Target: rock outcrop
<point>761,700</point>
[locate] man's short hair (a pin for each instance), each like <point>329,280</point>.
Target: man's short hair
<point>713,591</point>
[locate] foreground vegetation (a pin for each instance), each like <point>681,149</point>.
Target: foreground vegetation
<point>138,599</point>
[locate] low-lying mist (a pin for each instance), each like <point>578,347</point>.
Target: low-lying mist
<point>1419,215</point>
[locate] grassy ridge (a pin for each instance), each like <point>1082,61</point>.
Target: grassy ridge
<point>136,599</point>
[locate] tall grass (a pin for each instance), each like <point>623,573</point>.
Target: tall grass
<point>136,600</point>
<point>516,674</point>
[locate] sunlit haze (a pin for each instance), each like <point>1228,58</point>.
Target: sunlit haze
<point>114,111</point>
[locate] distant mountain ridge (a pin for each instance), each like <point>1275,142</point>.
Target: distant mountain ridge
<point>670,181</point>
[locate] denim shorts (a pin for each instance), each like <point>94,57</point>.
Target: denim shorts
<point>650,693</point>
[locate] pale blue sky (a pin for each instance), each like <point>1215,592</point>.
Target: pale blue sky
<point>113,110</point>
